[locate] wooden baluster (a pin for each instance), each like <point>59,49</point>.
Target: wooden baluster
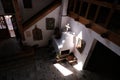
<point>89,4</point>
<point>74,7</point>
<point>70,5</point>
<point>81,3</point>
<point>109,17</point>
<point>96,14</point>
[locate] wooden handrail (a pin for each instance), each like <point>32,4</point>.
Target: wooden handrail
<point>97,28</point>
<point>104,4</point>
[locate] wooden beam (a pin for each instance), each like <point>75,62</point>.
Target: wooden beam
<point>73,15</point>
<point>100,3</point>
<point>104,4</point>
<point>41,15</point>
<point>115,38</point>
<point>18,18</point>
<point>83,20</point>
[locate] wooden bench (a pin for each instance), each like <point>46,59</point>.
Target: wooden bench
<point>70,58</point>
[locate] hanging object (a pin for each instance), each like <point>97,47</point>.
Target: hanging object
<point>37,33</point>
<point>50,23</point>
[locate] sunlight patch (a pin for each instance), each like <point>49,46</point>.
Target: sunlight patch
<point>63,70</point>
<point>78,66</point>
<point>61,45</point>
<point>80,35</point>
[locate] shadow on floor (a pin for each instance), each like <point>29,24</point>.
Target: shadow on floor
<point>42,69</point>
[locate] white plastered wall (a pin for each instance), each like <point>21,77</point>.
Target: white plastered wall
<point>47,34</point>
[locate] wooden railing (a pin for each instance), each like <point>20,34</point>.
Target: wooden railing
<point>98,15</point>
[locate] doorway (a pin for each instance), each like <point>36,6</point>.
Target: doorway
<point>10,25</point>
<point>8,28</point>
<point>104,62</point>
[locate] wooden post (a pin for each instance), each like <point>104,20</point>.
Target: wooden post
<point>18,18</point>
<point>70,5</point>
<point>96,14</point>
<point>110,14</point>
<point>89,4</point>
<point>109,17</point>
<point>74,7</point>
<point>81,3</point>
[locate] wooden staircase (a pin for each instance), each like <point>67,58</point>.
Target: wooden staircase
<point>41,14</point>
<point>27,24</point>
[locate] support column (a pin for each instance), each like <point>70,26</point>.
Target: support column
<point>64,13</point>
<point>18,18</point>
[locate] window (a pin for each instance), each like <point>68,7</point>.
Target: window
<point>2,23</point>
